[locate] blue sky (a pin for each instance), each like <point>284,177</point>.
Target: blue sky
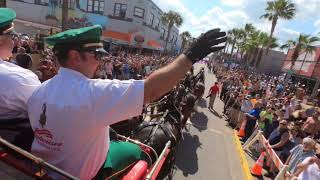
<point>202,15</point>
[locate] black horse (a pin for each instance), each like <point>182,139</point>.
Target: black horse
<point>173,111</point>
<point>157,133</point>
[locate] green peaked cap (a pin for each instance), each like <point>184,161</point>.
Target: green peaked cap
<point>6,18</point>
<point>83,35</point>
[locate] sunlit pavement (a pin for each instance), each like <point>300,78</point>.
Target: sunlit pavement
<point>208,150</point>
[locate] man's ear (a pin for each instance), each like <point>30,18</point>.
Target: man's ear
<point>73,56</point>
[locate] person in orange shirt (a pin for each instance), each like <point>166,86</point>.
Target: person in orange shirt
<point>255,100</point>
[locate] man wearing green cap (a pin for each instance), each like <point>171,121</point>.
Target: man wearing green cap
<point>71,113</point>
<point>17,84</point>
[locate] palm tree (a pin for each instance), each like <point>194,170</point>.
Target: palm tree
<point>185,36</point>
<point>309,48</point>
<point>304,42</point>
<point>247,31</point>
<point>263,42</point>
<point>64,14</point>
<point>240,40</point>
<point>254,46</point>
<point>249,28</point>
<point>235,35</point>
<point>171,19</point>
<point>275,10</point>
<point>228,42</point>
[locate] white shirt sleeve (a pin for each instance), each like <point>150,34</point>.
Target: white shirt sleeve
<point>19,90</point>
<point>115,100</point>
<point>25,88</point>
<point>311,173</point>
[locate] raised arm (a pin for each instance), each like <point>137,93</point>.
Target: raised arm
<point>164,79</point>
<point>283,141</point>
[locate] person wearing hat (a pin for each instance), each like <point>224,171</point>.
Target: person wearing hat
<point>17,84</point>
<point>71,113</point>
<point>300,153</point>
<point>246,106</point>
<point>252,116</point>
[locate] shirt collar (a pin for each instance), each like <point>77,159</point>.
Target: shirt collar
<point>71,73</point>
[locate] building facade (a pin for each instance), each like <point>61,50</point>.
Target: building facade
<point>136,23</point>
<point>271,63</point>
<point>307,64</point>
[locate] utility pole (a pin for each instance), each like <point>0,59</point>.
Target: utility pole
<point>3,3</point>
<point>64,14</point>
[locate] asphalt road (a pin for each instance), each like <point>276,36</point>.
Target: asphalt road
<point>208,151</point>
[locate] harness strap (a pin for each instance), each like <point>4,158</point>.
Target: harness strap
<point>168,133</point>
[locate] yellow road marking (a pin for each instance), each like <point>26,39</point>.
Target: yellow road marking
<point>243,159</point>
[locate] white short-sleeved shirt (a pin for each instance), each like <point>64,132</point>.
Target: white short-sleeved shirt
<point>17,85</point>
<point>73,133</point>
<point>311,173</point>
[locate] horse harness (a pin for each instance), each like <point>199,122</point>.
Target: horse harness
<point>159,124</point>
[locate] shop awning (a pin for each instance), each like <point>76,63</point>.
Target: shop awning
<point>154,44</point>
<point>118,35</point>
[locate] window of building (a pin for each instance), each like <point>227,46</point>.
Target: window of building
<point>156,23</point>
<point>42,2</point>
<point>151,19</point>
<point>162,32</point>
<point>120,10</point>
<point>95,6</point>
<point>138,12</point>
<point>172,38</point>
<point>71,4</point>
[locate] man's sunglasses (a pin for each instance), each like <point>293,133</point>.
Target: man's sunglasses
<point>97,54</point>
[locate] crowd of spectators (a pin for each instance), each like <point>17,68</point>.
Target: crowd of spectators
<point>119,64</point>
<point>288,117</point>
<point>124,66</point>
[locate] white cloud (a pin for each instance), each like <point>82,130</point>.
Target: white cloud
<point>286,34</point>
<point>245,11</point>
<point>307,9</point>
<point>215,17</point>
<point>317,25</point>
<point>233,2</point>
<point>290,32</point>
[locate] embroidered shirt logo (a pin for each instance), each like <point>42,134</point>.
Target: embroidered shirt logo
<point>43,136</point>
<point>43,118</point>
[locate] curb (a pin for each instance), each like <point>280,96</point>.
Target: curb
<point>243,160</point>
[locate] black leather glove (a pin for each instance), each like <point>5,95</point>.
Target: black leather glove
<point>205,44</point>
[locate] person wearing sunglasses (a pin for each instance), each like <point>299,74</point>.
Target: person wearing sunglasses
<point>17,85</point>
<point>75,111</point>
